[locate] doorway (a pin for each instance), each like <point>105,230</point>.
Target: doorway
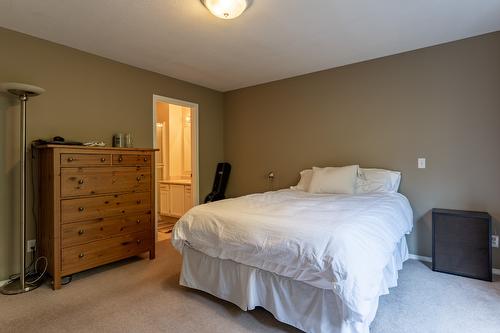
<point>175,135</point>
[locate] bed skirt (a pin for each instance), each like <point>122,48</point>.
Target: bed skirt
<point>293,302</point>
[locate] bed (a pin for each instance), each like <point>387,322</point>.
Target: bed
<point>318,262</point>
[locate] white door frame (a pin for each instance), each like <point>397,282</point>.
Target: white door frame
<point>195,180</point>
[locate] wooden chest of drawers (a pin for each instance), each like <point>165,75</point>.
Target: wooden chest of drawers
<point>96,206</point>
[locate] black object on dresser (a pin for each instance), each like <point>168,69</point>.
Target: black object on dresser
<point>461,243</point>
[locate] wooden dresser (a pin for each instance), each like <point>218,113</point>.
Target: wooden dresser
<point>96,206</point>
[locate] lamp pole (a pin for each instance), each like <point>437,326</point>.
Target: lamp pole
<point>22,198</point>
<point>20,285</point>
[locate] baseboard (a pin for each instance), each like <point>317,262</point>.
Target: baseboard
<point>421,258</point>
<point>3,282</point>
<point>495,271</point>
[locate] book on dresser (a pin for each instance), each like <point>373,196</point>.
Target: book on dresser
<point>96,206</point>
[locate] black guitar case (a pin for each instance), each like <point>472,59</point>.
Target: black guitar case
<point>220,183</point>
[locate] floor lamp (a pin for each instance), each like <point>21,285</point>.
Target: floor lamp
<point>23,91</point>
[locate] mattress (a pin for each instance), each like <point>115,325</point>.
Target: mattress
<point>337,242</point>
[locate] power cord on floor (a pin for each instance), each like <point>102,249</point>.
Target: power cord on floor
<point>32,270</point>
<point>41,274</point>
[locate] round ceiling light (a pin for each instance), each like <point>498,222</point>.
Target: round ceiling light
<point>226,9</point>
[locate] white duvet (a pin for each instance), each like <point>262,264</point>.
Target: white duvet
<point>338,242</point>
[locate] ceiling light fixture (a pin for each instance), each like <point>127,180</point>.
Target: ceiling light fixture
<point>226,9</point>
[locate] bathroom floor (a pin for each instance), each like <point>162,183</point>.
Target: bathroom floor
<point>165,226</point>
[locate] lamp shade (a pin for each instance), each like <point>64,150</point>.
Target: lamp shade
<point>19,89</point>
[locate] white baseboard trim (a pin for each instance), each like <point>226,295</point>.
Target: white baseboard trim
<point>496,271</point>
<point>421,258</point>
<point>3,282</point>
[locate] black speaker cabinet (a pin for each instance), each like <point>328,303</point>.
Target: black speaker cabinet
<point>461,243</point>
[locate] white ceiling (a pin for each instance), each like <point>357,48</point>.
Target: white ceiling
<point>273,39</point>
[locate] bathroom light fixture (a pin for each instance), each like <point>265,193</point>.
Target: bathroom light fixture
<point>226,9</point>
<point>23,92</point>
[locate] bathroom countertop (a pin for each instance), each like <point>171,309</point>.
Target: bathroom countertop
<point>176,181</point>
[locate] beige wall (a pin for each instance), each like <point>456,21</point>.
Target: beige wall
<point>442,103</point>
<point>87,98</point>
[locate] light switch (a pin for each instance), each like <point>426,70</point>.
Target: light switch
<point>421,163</point>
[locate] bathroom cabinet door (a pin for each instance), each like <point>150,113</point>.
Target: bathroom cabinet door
<point>177,200</point>
<point>188,198</point>
<point>164,199</point>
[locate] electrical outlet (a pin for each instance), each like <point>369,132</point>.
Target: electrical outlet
<point>421,163</point>
<point>494,240</point>
<point>31,245</point>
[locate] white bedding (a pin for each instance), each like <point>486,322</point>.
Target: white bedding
<point>308,308</point>
<point>338,242</point>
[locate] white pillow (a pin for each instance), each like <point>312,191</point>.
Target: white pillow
<point>305,180</point>
<point>377,180</point>
<point>341,180</point>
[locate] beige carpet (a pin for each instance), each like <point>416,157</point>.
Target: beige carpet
<point>139,295</point>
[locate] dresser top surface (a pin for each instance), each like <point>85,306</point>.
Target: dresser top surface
<point>53,146</point>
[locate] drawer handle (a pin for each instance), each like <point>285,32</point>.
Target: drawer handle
<point>80,181</point>
<point>138,178</point>
<point>139,202</point>
<point>138,221</point>
<point>70,159</point>
<point>120,159</point>
<point>81,209</point>
<point>139,241</point>
<point>103,159</point>
<point>145,159</point>
<point>81,255</point>
<point>81,232</point>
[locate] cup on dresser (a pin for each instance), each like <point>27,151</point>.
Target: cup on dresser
<point>118,140</point>
<point>129,141</point>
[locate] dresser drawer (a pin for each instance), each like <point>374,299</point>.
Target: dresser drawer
<point>71,160</point>
<point>88,231</point>
<point>91,181</point>
<point>131,159</point>
<point>104,206</point>
<point>81,257</point>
